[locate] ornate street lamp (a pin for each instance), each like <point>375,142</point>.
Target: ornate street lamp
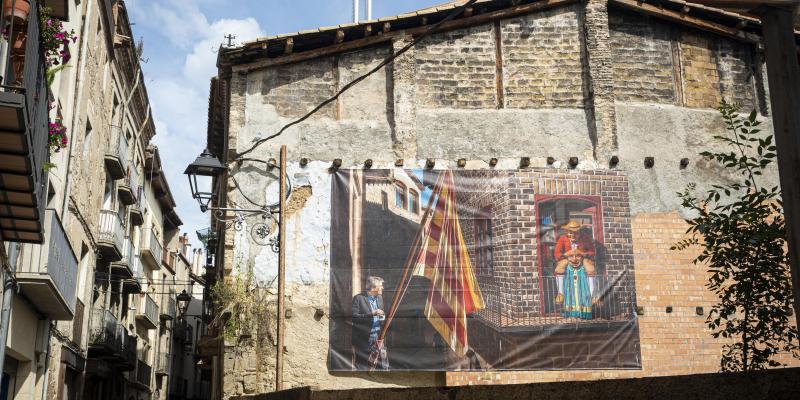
<point>183,300</point>
<point>205,168</point>
<point>202,173</point>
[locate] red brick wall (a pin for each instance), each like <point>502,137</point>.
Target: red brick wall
<point>673,343</point>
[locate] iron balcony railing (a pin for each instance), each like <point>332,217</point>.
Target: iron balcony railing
<point>148,311</point>
<point>153,249</point>
<point>168,306</point>
<point>25,109</point>
<point>126,263</point>
<point>111,235</point>
<point>77,324</point>
<point>53,267</point>
<point>137,208</point>
<point>128,356</point>
<point>137,274</point>
<point>103,335</point>
<point>162,363</point>
<point>608,307</point>
<point>144,372</point>
<point>117,153</point>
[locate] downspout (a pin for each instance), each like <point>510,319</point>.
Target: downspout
<point>47,360</point>
<point>9,287</point>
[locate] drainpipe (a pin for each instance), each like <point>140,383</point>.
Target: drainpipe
<point>9,287</point>
<point>47,360</point>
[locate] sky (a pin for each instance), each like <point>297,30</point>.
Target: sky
<point>181,38</point>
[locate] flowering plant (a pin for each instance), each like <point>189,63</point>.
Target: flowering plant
<point>55,40</point>
<point>57,138</point>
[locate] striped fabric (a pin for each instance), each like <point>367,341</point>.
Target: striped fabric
<point>444,260</point>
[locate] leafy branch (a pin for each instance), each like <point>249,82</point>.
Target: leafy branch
<point>740,230</point>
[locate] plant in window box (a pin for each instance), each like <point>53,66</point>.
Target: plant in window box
<point>55,39</point>
<point>56,140</point>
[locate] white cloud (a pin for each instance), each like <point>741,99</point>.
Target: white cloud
<point>201,63</point>
<point>179,92</point>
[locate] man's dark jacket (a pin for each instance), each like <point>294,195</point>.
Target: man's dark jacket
<point>362,319</point>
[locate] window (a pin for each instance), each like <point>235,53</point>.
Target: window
<point>400,195</point>
<point>413,201</point>
<point>484,252</point>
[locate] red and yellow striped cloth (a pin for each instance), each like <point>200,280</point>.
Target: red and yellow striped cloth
<point>444,260</point>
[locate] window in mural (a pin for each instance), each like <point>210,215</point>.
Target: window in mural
<point>490,270</point>
<point>400,195</point>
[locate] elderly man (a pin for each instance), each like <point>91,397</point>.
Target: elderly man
<point>368,319</point>
<point>575,278</point>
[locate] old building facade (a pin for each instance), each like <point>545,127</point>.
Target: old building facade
<point>100,325</point>
<point>619,88</point>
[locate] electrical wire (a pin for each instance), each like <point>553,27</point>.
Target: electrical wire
<point>355,81</point>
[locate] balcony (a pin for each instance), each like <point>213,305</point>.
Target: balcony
<point>116,157</point>
<point>152,249</point>
<point>134,285</point>
<point>162,364</point>
<point>51,276</point>
<point>147,313</point>
<point>144,372</point>
<point>124,267</point>
<point>23,135</point>
<point>128,356</point>
<point>104,341</point>
<point>126,188</point>
<point>77,324</point>
<point>168,306</point>
<point>137,208</point>
<point>110,240</point>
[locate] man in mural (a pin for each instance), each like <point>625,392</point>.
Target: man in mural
<point>570,240</point>
<point>575,276</point>
<point>368,317</point>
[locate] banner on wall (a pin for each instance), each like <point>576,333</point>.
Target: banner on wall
<point>481,270</point>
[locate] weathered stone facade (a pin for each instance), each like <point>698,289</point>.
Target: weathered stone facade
<point>586,80</point>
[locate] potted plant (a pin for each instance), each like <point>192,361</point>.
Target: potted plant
<point>18,9</point>
<point>55,40</point>
<point>57,137</point>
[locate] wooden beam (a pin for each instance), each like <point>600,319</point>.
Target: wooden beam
<point>367,30</point>
<point>387,27</point>
<point>288,46</point>
<point>783,74</point>
<point>686,19</point>
<point>386,37</point>
<point>339,36</point>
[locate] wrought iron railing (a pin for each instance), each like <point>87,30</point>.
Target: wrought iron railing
<point>103,332</point>
<point>52,261</point>
<point>137,269</point>
<point>24,75</point>
<point>154,247</point>
<point>118,145</point>
<point>149,308</point>
<point>77,323</point>
<point>143,372</point>
<point>168,306</point>
<point>128,349</point>
<point>162,363</point>
<point>111,228</point>
<point>608,306</point>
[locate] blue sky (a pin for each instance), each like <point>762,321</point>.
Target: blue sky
<point>181,38</point>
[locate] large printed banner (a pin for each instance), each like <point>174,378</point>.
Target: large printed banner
<point>481,270</point>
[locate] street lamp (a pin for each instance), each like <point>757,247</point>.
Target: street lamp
<point>205,168</point>
<point>183,302</point>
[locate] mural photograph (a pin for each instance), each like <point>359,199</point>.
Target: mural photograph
<point>481,270</point>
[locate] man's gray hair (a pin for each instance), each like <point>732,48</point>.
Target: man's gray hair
<point>373,281</point>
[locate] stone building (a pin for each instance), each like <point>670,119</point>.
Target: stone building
<point>619,89</point>
<point>100,324</point>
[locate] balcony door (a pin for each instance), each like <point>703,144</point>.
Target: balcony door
<point>559,217</point>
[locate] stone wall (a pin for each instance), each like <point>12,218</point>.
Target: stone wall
<point>761,385</point>
<point>575,82</point>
